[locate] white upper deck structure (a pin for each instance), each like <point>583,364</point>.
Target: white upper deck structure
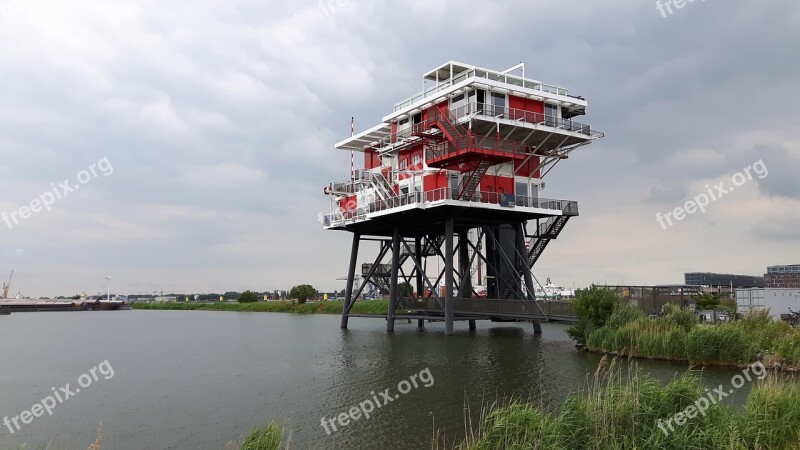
<point>481,137</point>
<point>454,78</point>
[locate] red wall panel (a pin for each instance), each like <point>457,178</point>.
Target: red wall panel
<point>525,104</point>
<point>515,102</point>
<point>371,159</point>
<point>524,170</point>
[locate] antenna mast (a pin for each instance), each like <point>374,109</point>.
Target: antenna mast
<point>352,153</point>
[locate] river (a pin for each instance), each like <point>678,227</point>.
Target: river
<point>199,380</point>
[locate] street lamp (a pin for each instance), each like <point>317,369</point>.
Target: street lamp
<point>108,289</point>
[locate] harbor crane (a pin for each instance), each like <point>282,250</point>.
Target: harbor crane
<point>7,286</point>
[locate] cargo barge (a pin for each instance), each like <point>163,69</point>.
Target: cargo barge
<point>30,305</point>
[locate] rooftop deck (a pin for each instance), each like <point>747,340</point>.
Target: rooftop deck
<point>453,73</point>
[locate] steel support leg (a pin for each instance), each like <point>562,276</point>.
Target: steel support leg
<point>351,276</point>
<point>465,283</point>
<point>418,266</point>
<point>521,251</point>
<point>393,280</point>
<point>524,264</point>
<point>449,306</point>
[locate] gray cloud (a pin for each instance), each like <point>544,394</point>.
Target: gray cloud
<point>220,120</point>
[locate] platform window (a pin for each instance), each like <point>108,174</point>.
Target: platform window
<point>457,102</point>
<point>522,189</point>
<point>403,125</point>
<point>453,186</point>
<point>477,100</point>
<point>498,104</point>
<point>550,114</point>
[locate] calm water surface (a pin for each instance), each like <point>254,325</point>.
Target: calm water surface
<point>199,380</point>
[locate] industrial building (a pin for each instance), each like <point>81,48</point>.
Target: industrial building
<point>452,183</point>
<point>718,281</point>
<point>651,299</point>
<point>779,302</point>
<point>786,276</point>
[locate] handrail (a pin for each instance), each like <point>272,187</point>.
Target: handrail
<point>473,142</point>
<point>557,309</point>
<point>475,109</point>
<point>520,115</point>
<point>483,74</point>
<point>356,212</point>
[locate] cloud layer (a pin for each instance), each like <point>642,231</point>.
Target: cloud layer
<point>220,117</point>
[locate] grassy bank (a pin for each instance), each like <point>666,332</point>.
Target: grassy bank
<point>330,307</point>
<point>607,326</point>
<point>679,337</point>
<point>617,412</point>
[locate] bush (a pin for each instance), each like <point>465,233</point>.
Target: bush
<point>302,293</point>
<point>675,345</point>
<point>248,297</point>
<point>599,339</point>
<point>593,307</point>
<point>707,301</point>
<point>624,412</point>
<point>789,347</point>
<point>623,315</point>
<point>718,344</point>
<point>405,290</point>
<point>682,318</point>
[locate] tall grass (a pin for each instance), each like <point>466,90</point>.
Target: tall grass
<point>679,337</point>
<point>621,410</point>
<point>330,307</point>
<point>265,438</point>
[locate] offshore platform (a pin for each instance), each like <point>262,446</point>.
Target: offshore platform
<point>450,192</point>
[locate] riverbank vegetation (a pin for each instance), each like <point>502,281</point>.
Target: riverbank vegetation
<point>264,438</point>
<point>678,336</point>
<point>303,293</point>
<point>618,411</point>
<point>329,307</point>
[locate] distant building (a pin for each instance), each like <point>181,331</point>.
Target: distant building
<point>651,299</point>
<point>723,280</point>
<point>786,277</point>
<point>778,302</point>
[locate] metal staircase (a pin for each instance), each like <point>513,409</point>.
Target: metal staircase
<point>450,131</point>
<point>471,181</point>
<point>381,277</point>
<point>547,231</point>
<point>447,126</point>
<point>382,186</point>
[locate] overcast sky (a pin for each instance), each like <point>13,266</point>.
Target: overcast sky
<point>219,119</point>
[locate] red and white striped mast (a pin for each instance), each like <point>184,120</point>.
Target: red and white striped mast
<point>352,152</point>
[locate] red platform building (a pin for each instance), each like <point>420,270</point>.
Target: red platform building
<point>454,175</point>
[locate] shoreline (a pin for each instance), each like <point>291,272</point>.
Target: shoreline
<point>775,366</point>
<point>327,307</point>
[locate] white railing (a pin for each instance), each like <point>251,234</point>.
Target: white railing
<point>481,74</point>
<point>523,116</point>
<point>487,110</point>
<point>340,216</point>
